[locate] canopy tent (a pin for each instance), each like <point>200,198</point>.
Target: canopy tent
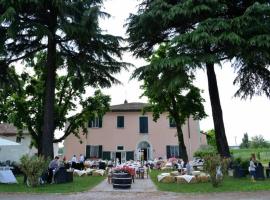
<point>4,142</point>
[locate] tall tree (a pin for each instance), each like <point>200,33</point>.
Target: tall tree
<point>245,142</point>
<point>166,93</point>
<point>203,33</point>
<point>67,32</point>
<point>23,106</point>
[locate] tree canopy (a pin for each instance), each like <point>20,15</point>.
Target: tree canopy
<point>168,93</point>
<point>245,142</point>
<point>68,33</point>
<point>23,106</point>
<point>205,33</point>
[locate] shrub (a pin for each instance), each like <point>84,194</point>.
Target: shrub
<point>33,167</point>
<point>242,162</point>
<point>214,165</point>
<point>204,151</point>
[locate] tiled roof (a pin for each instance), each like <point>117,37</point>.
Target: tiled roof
<point>9,130</point>
<point>128,107</point>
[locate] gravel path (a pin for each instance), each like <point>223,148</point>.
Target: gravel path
<point>139,185</point>
<point>141,190</point>
<point>119,195</point>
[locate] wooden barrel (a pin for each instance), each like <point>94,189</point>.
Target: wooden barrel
<point>121,180</point>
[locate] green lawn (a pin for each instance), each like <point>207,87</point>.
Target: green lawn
<point>229,185</point>
<point>79,184</point>
<point>262,155</point>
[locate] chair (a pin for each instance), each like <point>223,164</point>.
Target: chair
<point>141,170</point>
<point>259,173</point>
<point>62,176</point>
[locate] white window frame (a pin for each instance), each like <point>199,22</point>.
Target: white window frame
<point>95,122</point>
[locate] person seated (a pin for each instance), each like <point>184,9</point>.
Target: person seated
<point>53,166</point>
<point>189,168</point>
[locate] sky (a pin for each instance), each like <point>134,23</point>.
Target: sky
<point>240,116</point>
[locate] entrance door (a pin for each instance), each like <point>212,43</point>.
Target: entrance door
<point>144,151</point>
<point>145,154</point>
<point>118,156</point>
<point>123,157</point>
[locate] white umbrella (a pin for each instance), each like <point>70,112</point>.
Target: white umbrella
<point>4,142</point>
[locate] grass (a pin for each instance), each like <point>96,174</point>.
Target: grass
<point>230,184</point>
<point>79,184</point>
<point>262,154</point>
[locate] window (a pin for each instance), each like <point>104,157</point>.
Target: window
<point>120,122</point>
<point>120,148</point>
<point>95,123</point>
<point>172,122</point>
<point>143,124</point>
<point>172,151</point>
<point>93,151</point>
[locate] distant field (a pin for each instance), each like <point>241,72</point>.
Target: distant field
<point>262,155</point>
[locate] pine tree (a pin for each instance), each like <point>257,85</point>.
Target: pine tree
<point>180,98</point>
<point>205,33</point>
<point>68,33</point>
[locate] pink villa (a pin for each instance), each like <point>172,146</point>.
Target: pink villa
<point>125,133</point>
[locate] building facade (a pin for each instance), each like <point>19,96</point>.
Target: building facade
<point>125,133</point>
<point>14,153</point>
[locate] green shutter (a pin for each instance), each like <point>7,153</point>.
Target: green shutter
<point>180,153</point>
<point>106,155</point>
<point>87,151</point>
<point>120,121</point>
<point>100,151</point>
<point>168,151</point>
<point>130,155</point>
<point>100,122</point>
<point>172,122</point>
<point>143,124</point>
<point>90,123</point>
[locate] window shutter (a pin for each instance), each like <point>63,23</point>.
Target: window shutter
<point>106,155</point>
<point>100,122</point>
<point>180,153</point>
<point>90,123</point>
<point>120,121</point>
<point>87,153</point>
<point>130,155</point>
<point>172,122</point>
<point>168,151</point>
<point>143,124</point>
<point>100,151</point>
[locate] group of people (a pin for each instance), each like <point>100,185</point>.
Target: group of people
<point>78,163</point>
<point>55,164</point>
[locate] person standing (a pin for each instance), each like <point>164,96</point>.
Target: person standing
<point>53,166</point>
<point>81,160</point>
<point>74,162</point>
<point>252,168</point>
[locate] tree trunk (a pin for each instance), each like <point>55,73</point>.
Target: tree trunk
<point>221,140</point>
<point>49,97</point>
<point>182,146</point>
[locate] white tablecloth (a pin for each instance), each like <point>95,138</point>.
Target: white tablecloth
<point>6,176</point>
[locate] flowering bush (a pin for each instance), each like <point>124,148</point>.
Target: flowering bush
<point>125,169</point>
